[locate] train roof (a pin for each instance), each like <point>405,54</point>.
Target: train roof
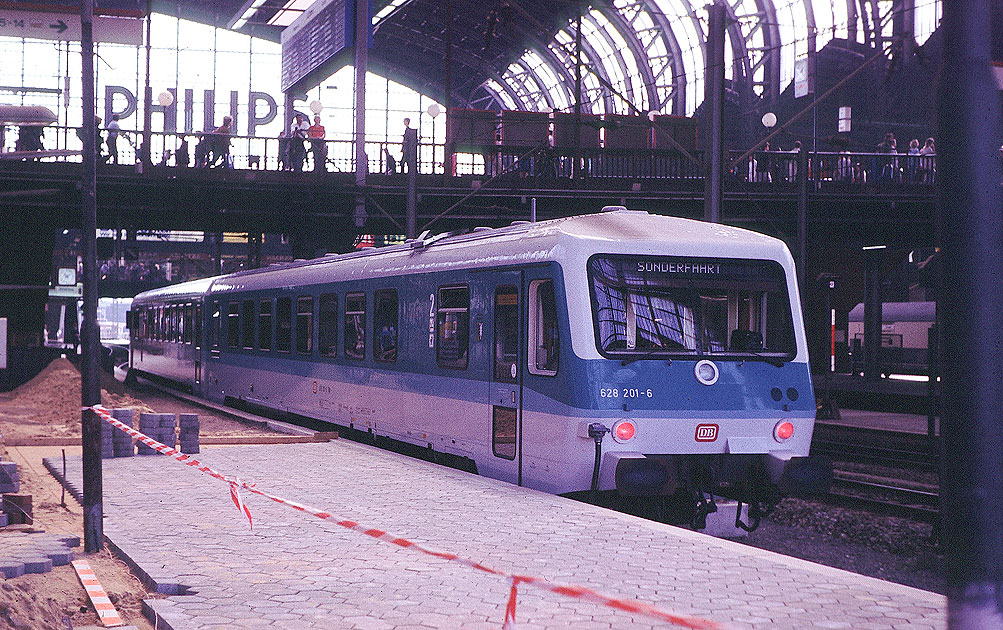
<point>899,312</point>
<point>615,230</point>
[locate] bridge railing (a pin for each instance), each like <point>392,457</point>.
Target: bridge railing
<point>547,165</point>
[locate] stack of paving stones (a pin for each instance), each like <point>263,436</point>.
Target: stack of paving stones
<point>122,441</point>
<point>10,482</point>
<point>107,440</point>
<point>149,425</point>
<point>35,552</point>
<point>188,432</point>
<point>166,432</point>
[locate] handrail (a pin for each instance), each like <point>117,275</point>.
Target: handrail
<point>209,150</point>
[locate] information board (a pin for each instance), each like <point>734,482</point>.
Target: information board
<point>319,42</point>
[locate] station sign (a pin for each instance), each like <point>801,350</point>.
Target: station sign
<point>66,27</point>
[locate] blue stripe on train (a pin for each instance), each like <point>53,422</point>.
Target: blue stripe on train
<point>588,387</point>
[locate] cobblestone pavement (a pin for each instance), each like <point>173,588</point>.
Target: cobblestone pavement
<point>295,571</point>
<point>34,552</point>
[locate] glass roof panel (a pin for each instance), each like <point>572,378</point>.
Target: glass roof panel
<point>635,92</point>
<point>927,19</point>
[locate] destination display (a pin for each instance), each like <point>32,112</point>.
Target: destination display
<point>690,268</point>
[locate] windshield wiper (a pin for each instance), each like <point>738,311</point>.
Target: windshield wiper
<point>774,361</point>
<point>650,353</point>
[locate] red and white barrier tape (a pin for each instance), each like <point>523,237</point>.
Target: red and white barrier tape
<point>574,592</point>
<point>99,598</point>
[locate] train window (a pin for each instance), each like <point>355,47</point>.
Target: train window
<point>283,324</point>
<point>197,325</point>
<point>355,326</point>
<point>453,328</point>
<point>304,325</point>
<point>247,324</point>
<point>328,334</point>
<point>173,323</point>
<point>265,325</point>
<point>233,324</point>
<point>545,342</point>
<point>506,333</point>
<point>214,325</point>
<point>503,427</point>
<point>646,305</point>
<point>385,322</point>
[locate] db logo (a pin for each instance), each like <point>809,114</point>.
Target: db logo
<point>706,432</point>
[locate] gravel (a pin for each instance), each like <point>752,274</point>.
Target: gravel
<point>884,547</point>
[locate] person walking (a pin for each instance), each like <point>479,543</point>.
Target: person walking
<point>183,155</point>
<point>221,143</point>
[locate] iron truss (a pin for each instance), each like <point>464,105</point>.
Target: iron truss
<point>637,56</point>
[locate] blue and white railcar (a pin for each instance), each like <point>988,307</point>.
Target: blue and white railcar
<point>519,348</point>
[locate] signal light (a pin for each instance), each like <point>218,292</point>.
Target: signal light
<point>624,431</point>
<point>783,431</point>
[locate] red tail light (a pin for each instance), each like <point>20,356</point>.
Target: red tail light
<point>624,431</point>
<point>783,431</point>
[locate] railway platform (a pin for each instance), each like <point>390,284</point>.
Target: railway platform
<point>180,530</point>
<point>884,420</point>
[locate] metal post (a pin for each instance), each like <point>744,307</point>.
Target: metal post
<point>411,158</point>
<point>448,149</point>
<point>148,92</point>
<point>714,98</point>
<point>872,316</point>
<point>802,179</point>
<point>576,164</point>
<point>532,209</point>
<point>971,204</point>
<point>90,388</point>
<point>362,25</point>
<point>812,45</point>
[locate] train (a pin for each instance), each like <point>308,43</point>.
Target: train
<point>618,352</point>
<point>905,335</point>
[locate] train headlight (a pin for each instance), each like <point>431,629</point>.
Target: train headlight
<point>624,431</point>
<point>783,431</point>
<point>706,372</point>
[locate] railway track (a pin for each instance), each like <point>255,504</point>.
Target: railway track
<point>891,497</point>
<point>875,446</point>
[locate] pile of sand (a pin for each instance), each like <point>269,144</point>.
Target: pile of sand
<point>49,405</point>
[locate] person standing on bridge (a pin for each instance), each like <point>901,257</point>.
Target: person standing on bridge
<point>113,130</point>
<point>97,137</point>
<point>409,147</point>
<point>297,137</point>
<point>318,147</point>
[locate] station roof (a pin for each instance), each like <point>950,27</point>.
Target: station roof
<point>638,56</point>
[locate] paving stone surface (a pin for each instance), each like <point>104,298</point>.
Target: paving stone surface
<point>34,552</point>
<point>296,571</point>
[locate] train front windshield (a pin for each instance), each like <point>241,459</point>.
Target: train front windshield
<point>655,305</point>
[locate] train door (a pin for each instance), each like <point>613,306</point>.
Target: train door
<point>196,336</point>
<point>506,377</point>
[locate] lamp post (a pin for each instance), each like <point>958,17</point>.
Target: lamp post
<point>433,110</point>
